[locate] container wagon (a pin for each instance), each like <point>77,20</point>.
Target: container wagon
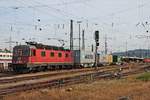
<point>108,59</point>
<point>84,58</point>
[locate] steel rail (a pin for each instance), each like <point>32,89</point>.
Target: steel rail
<point>49,74</point>
<point>67,81</point>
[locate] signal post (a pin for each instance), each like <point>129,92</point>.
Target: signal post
<point>96,47</point>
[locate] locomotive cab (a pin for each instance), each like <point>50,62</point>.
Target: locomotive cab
<point>21,55</point>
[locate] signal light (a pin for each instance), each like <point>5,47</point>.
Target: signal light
<point>96,35</point>
<point>97,44</point>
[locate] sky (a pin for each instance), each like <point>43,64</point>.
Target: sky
<point>124,22</point>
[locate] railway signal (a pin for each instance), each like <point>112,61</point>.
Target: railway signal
<point>96,36</point>
<point>96,46</point>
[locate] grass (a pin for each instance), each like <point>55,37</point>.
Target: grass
<point>100,90</point>
<point>144,77</point>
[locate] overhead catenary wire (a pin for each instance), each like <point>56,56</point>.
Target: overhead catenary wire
<point>36,5</point>
<point>40,10</point>
<point>59,11</point>
<point>23,24</point>
<point>62,16</point>
<point>124,10</point>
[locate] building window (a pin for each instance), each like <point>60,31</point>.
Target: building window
<point>43,54</point>
<point>59,54</point>
<point>52,54</point>
<point>66,55</point>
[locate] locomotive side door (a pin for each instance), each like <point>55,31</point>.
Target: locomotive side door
<point>33,55</point>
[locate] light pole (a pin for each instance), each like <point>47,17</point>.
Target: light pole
<point>147,37</point>
<point>126,49</point>
<point>71,34</point>
<point>79,22</point>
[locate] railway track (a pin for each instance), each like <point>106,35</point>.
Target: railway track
<point>136,71</point>
<point>6,74</point>
<point>52,83</point>
<point>5,80</point>
<point>59,82</point>
<point>11,77</point>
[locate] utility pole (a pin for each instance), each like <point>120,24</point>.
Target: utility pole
<point>10,43</point>
<point>10,39</point>
<point>71,35</point>
<point>92,48</point>
<point>79,22</point>
<point>106,50</point>
<point>83,40</point>
<point>126,48</point>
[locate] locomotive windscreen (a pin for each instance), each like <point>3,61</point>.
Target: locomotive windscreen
<point>21,51</point>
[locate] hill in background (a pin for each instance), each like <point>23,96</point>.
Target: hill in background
<point>142,53</point>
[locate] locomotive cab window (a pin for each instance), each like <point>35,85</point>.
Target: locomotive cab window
<point>43,54</point>
<point>59,54</point>
<point>52,54</point>
<point>33,52</point>
<point>20,52</point>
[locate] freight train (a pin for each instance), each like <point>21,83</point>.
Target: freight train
<point>36,57</point>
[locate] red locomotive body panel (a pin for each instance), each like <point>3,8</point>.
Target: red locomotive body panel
<point>51,56</point>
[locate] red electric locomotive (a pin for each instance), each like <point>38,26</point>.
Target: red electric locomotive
<point>34,56</point>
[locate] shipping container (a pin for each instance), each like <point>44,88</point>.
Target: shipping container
<point>108,59</point>
<point>84,58</point>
